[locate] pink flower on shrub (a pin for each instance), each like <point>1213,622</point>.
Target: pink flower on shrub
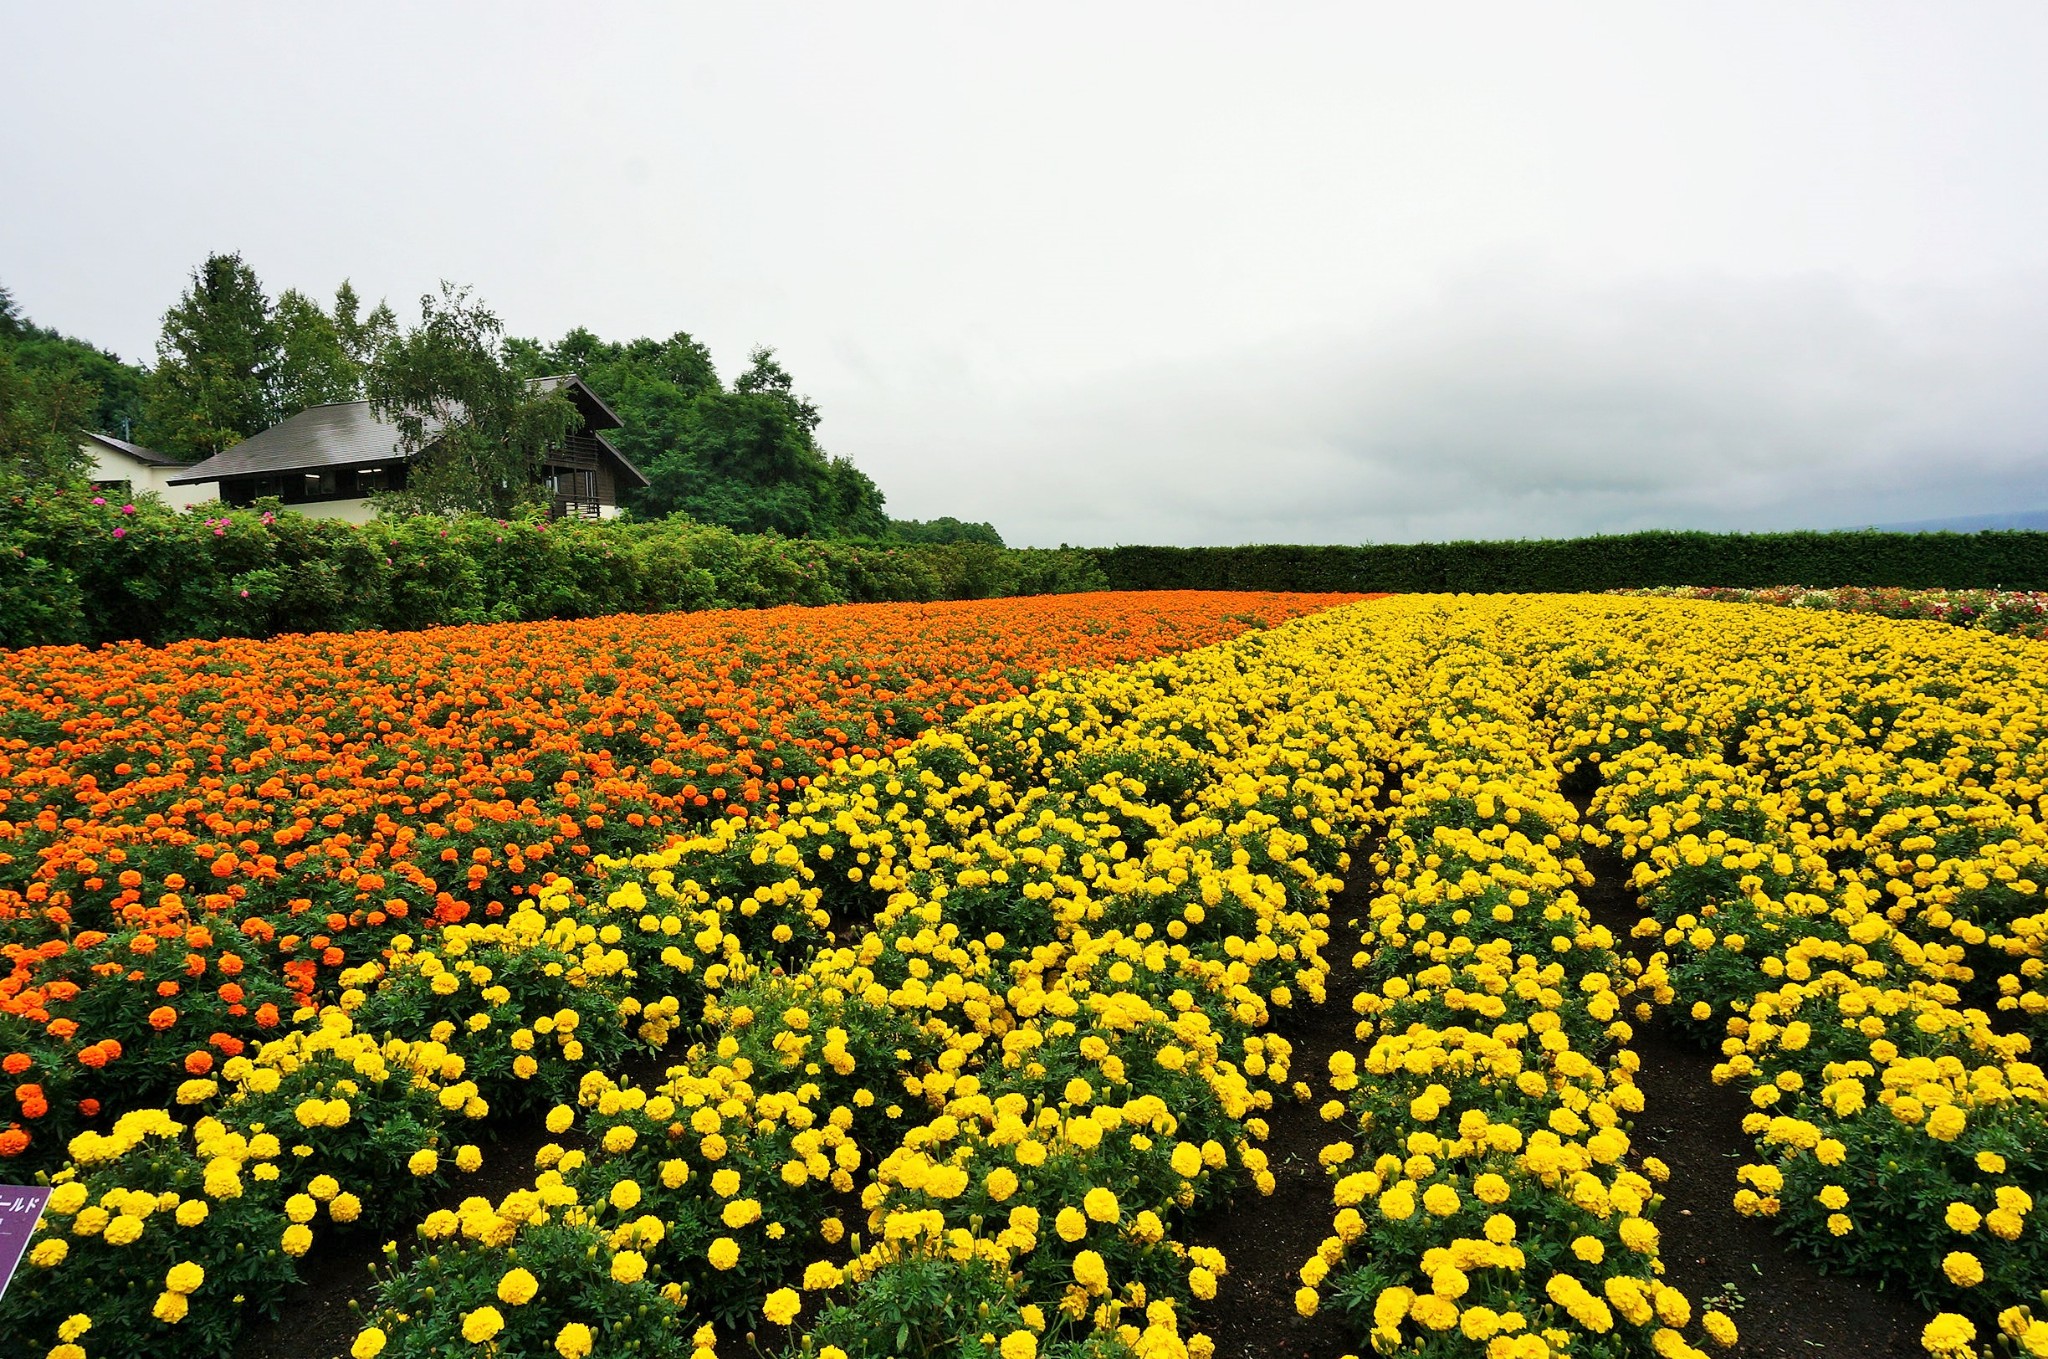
<point>127,509</point>
<point>120,533</point>
<point>99,500</point>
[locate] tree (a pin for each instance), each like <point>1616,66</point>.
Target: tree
<point>766,376</point>
<point>361,336</point>
<point>474,429</point>
<point>42,416</point>
<point>114,387</point>
<point>314,365</point>
<point>216,363</point>
<point>944,529</point>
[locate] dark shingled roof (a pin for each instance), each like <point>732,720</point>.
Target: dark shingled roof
<point>348,434</point>
<point>137,451</point>
<point>343,434</point>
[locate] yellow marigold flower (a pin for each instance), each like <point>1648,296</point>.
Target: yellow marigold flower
<point>1306,1301</point>
<point>424,1162</point>
<point>517,1287</point>
<point>124,1230</point>
<point>723,1253</point>
<point>345,1208</point>
<point>1961,1217</point>
<point>1948,1335</point>
<point>468,1159</point>
<point>1439,1314</point>
<point>74,1326</point>
<point>170,1308</point>
<point>1019,1345</point>
<point>625,1196</point>
<point>782,1306</point>
<point>629,1266</point>
<point>1070,1224</point>
<point>369,1344</point>
<point>1963,1269</point>
<point>1440,1200</point>
<point>482,1324</point>
<point>184,1277</point>
<point>1100,1205</point>
<point>1090,1272</point>
<point>1720,1328</point>
<point>1590,1249</point>
<point>574,1340</point>
<point>297,1239</point>
<point>49,1253</point>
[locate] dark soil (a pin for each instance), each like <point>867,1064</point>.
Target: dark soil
<point>1784,1306</point>
<point>1266,1238</point>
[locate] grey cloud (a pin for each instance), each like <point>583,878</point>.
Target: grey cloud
<point>1512,408</point>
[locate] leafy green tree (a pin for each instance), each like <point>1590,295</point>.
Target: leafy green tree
<point>475,430</point>
<point>852,501</point>
<point>944,529</point>
<point>42,416</point>
<point>314,363</point>
<point>746,457</point>
<point>649,383</point>
<point>216,363</point>
<point>115,387</point>
<point>362,334</point>
<point>766,376</point>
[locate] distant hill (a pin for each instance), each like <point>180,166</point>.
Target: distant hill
<point>1973,523</point>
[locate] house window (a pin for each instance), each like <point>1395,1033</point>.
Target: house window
<point>316,486</point>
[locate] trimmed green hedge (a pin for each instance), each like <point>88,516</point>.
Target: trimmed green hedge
<point>73,570</point>
<point>2008,560</point>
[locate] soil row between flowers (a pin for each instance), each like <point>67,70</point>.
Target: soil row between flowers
<point>1786,1305</point>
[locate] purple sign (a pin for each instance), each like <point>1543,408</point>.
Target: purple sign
<point>20,1207</point>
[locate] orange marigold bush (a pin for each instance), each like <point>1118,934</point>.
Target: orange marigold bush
<point>196,839</point>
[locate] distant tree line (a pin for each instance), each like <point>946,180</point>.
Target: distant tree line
<point>231,362</point>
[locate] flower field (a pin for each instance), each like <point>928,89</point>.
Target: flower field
<point>969,939</point>
<point>198,841</point>
<point>2011,613</point>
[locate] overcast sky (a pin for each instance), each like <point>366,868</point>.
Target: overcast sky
<point>1146,273</point>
